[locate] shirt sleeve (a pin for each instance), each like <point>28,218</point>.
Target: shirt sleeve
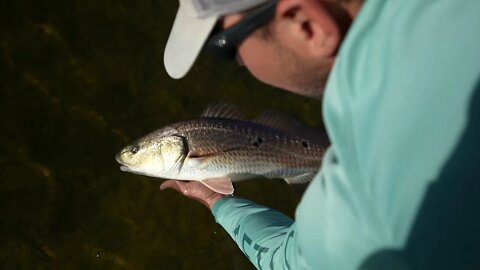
<point>266,236</point>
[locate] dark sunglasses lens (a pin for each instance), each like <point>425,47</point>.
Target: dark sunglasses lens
<point>218,46</point>
<point>224,43</point>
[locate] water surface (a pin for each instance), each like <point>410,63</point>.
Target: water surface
<point>79,80</point>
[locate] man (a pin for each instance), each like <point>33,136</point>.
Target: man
<point>398,188</point>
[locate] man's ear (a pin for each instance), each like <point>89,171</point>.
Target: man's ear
<point>314,23</point>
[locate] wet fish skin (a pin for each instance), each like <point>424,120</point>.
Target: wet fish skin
<point>217,147</point>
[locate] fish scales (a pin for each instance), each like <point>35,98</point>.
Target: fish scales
<point>237,149</point>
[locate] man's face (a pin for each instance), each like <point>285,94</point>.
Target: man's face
<point>271,57</point>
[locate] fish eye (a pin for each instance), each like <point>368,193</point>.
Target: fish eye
<point>134,149</point>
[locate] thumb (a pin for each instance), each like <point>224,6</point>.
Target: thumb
<point>172,184</point>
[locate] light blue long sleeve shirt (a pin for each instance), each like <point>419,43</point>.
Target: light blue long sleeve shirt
<point>399,186</point>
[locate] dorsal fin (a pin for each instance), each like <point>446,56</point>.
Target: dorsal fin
<point>278,120</point>
<point>288,124</point>
<point>222,110</point>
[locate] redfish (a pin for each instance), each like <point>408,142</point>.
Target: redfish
<point>221,146</point>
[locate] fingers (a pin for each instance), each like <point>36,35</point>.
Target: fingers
<point>190,189</point>
<point>184,187</point>
<point>169,184</point>
<point>176,185</point>
<point>194,190</point>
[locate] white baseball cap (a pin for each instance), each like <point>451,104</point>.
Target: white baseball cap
<point>193,24</point>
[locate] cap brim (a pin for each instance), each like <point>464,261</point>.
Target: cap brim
<point>186,39</point>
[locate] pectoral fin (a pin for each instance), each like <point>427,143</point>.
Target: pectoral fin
<point>221,185</point>
<point>195,162</point>
<point>222,110</point>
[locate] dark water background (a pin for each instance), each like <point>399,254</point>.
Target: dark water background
<point>79,80</point>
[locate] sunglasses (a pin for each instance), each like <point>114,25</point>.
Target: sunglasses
<point>224,43</point>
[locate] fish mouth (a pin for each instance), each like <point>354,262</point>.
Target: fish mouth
<point>124,168</point>
<point>117,157</point>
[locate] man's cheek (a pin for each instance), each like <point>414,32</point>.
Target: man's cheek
<point>261,66</point>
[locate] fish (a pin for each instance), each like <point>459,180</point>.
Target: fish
<point>222,146</point>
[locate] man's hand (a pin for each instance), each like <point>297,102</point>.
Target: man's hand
<point>194,190</point>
